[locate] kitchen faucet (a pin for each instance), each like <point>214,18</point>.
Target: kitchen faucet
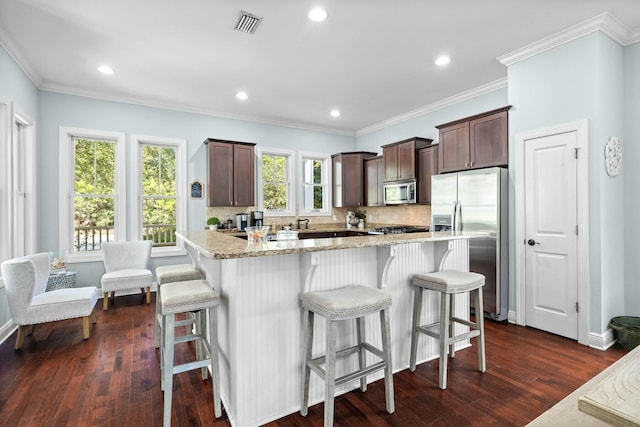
<point>306,220</point>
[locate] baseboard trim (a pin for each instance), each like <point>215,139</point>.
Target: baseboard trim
<point>6,330</point>
<point>511,316</point>
<point>602,341</point>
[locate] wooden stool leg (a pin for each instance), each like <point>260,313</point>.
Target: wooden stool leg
<point>157,320</point>
<point>361,351</point>
<point>307,329</point>
<point>167,373</point>
<point>482,362</point>
<point>215,371</point>
<point>444,338</point>
<point>105,301</point>
<point>200,326</point>
<point>148,294</point>
<point>452,313</point>
<point>330,372</point>
<point>20,337</point>
<point>386,350</point>
<point>417,310</point>
<point>85,327</point>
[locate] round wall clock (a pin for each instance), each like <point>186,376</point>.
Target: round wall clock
<point>613,156</point>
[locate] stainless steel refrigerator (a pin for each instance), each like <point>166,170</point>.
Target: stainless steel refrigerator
<point>477,200</point>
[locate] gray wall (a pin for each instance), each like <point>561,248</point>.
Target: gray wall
<point>631,152</point>
<point>583,79</point>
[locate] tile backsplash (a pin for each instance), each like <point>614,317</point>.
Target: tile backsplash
<point>419,215</point>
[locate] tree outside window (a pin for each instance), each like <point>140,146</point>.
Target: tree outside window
<point>94,193</point>
<point>158,175</point>
<point>275,186</point>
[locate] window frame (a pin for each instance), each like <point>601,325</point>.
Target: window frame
<point>66,170</point>
<point>135,193</point>
<point>290,165</point>
<point>326,173</point>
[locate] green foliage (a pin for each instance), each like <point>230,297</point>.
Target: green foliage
<point>275,185</point>
<point>213,221</point>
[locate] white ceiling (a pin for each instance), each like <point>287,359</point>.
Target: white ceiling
<point>371,59</point>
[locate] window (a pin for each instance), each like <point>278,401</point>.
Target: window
<point>92,191</point>
<point>158,205</point>
<point>275,193</point>
<point>315,182</point>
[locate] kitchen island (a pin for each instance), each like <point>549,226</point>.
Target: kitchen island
<point>260,318</point>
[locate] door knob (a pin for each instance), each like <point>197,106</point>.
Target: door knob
<point>532,242</point>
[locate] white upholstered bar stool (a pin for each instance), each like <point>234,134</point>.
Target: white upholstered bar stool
<point>169,274</point>
<point>448,283</point>
<point>348,303</point>
<point>182,297</point>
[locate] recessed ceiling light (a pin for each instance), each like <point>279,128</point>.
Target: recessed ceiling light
<point>335,113</point>
<point>443,60</point>
<point>242,95</point>
<point>105,69</point>
<point>318,15</point>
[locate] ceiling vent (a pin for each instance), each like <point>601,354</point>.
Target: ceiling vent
<point>247,22</point>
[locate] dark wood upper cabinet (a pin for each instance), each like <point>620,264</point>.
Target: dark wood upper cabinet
<point>400,158</point>
<point>474,142</point>
<point>348,178</point>
<point>373,181</point>
<point>427,167</point>
<point>231,172</point>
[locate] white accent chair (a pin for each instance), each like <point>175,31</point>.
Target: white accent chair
<point>126,265</point>
<point>25,279</point>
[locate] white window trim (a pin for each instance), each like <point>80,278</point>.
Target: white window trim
<point>29,190</point>
<point>326,172</point>
<point>5,166</point>
<point>291,196</point>
<point>66,188</point>
<point>135,194</point>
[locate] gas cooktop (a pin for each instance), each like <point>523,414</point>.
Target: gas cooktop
<point>398,229</point>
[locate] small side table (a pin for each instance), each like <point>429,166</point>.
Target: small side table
<point>66,279</point>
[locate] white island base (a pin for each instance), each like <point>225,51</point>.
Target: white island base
<point>260,318</point>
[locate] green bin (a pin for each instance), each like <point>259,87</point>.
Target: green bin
<point>626,329</point>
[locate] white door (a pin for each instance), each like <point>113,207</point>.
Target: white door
<point>551,277</point>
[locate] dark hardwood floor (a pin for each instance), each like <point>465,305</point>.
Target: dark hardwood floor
<point>113,379</point>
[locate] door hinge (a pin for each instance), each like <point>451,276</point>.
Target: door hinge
<point>576,151</point>
<point>576,230</point>
<point>577,307</point>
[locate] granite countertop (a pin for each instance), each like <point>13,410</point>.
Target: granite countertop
<point>214,244</point>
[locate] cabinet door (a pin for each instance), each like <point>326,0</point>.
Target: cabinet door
<point>489,141</point>
<point>373,179</point>
<point>407,160</point>
<point>243,175</point>
<point>352,175</point>
<point>390,156</point>
<point>427,167</point>
<point>220,158</point>
<point>453,151</point>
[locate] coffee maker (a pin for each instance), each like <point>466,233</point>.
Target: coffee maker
<point>242,221</point>
<point>257,218</point>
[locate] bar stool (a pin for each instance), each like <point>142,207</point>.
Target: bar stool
<point>182,297</point>
<point>352,302</point>
<point>448,283</point>
<point>169,274</point>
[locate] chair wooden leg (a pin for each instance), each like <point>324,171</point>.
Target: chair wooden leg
<point>148,294</point>
<point>444,338</point>
<point>388,370</point>
<point>215,371</point>
<point>307,330</point>
<point>330,372</point>
<point>482,362</point>
<point>167,373</point>
<point>105,301</point>
<point>417,309</point>
<point>20,337</point>
<point>361,353</point>
<point>85,327</point>
<point>94,316</point>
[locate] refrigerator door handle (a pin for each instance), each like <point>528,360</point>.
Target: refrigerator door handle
<point>453,215</point>
<point>457,216</point>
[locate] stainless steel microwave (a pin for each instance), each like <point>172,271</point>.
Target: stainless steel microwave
<point>398,193</point>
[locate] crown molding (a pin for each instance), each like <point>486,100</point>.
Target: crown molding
<point>604,22</point>
<point>64,90</point>
<point>443,103</point>
<point>14,53</point>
